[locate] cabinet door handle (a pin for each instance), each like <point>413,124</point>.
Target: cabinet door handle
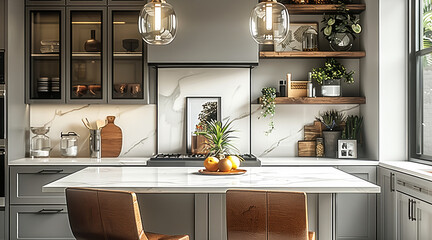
<point>409,209</point>
<point>50,171</point>
<point>49,211</point>
<point>413,211</point>
<point>392,189</point>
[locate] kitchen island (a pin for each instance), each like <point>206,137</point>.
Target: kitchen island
<point>204,196</point>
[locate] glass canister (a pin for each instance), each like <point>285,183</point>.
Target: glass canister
<point>40,144</point>
<point>69,144</point>
<point>320,147</point>
<point>310,40</point>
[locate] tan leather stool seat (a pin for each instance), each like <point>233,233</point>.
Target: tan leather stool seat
<point>267,215</point>
<point>157,236</point>
<point>108,215</point>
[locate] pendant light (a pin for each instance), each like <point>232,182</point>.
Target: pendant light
<point>157,23</point>
<point>269,22</point>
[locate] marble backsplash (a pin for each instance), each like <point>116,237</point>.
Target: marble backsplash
<point>232,85</point>
<point>138,123</point>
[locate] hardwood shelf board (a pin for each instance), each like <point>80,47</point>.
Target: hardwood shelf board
<point>321,100</point>
<point>317,54</point>
<point>298,9</point>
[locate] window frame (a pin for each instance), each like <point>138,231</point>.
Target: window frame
<point>415,84</point>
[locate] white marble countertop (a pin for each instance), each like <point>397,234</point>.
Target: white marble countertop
<point>80,161</point>
<point>309,161</point>
<point>268,161</point>
<point>412,168</point>
<point>185,180</point>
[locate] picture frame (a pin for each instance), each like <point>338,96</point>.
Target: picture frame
<point>347,148</point>
<point>194,107</point>
<point>294,40</point>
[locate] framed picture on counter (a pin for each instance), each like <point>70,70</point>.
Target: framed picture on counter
<point>294,40</point>
<point>347,148</point>
<point>199,110</point>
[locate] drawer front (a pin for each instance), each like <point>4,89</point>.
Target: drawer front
<point>414,186</point>
<point>49,222</point>
<point>26,184</point>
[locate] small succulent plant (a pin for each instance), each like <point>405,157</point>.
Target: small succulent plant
<point>332,120</point>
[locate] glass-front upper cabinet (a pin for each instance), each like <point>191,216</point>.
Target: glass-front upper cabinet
<point>87,70</point>
<point>46,61</point>
<point>127,63</point>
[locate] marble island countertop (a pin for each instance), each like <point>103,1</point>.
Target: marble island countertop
<point>186,180</point>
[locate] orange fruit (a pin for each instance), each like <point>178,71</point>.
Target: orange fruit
<point>225,165</point>
<point>235,161</point>
<point>211,164</point>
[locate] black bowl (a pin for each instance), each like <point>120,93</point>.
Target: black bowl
<point>130,44</point>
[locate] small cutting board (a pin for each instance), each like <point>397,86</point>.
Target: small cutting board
<point>111,139</point>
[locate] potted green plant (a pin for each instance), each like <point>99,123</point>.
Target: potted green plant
<point>340,29</point>
<point>353,125</point>
<point>333,121</point>
<point>330,76</point>
<point>268,106</point>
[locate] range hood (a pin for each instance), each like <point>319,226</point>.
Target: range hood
<point>209,32</point>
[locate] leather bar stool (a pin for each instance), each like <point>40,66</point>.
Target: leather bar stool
<point>108,215</point>
<point>267,215</point>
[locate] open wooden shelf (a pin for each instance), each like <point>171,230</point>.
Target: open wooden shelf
<point>317,54</point>
<point>320,100</point>
<point>299,9</point>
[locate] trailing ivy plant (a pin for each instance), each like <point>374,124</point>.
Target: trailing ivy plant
<point>332,70</point>
<point>268,106</point>
<point>341,22</point>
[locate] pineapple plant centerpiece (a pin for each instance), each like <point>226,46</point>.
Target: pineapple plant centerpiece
<point>221,151</point>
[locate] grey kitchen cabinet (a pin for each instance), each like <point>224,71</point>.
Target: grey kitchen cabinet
<point>212,32</point>
<point>26,184</point>
<point>356,213</point>
<point>387,205</point>
<point>2,224</point>
<point>35,222</point>
<point>45,71</point>
<point>81,69</point>
<point>424,220</point>
<point>2,24</point>
<point>414,207</point>
<point>414,218</point>
<point>407,228</point>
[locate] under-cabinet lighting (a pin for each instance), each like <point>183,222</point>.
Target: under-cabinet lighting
<point>87,23</point>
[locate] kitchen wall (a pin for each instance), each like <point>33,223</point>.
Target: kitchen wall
<point>138,124</point>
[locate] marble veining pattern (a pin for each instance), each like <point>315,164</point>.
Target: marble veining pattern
<point>138,124</point>
<point>185,180</point>
<point>289,121</point>
<point>175,84</point>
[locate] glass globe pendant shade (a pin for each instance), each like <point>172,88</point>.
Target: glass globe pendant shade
<point>157,23</point>
<point>269,22</point>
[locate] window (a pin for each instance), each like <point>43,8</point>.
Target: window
<point>421,66</point>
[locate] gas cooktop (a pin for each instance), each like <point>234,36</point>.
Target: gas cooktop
<point>193,160</point>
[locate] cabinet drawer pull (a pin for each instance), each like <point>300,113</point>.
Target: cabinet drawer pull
<point>50,171</point>
<point>413,211</point>
<point>409,209</point>
<point>392,179</point>
<point>49,211</point>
